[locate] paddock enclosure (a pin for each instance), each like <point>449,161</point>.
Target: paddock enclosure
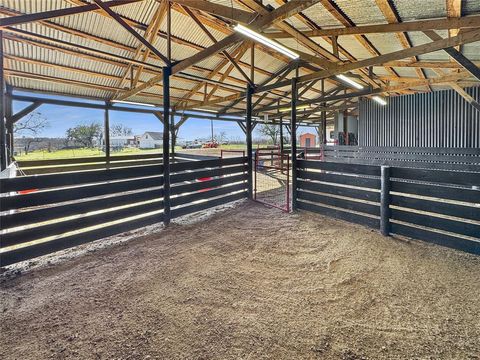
<point>336,217</point>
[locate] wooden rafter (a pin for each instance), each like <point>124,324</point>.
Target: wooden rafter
<point>454,10</point>
<point>27,18</point>
<point>417,25</point>
<point>150,33</point>
<point>226,12</point>
<point>335,11</point>
<point>393,18</point>
<point>135,34</point>
<point>461,38</point>
<point>265,21</point>
<point>334,56</point>
<point>212,38</point>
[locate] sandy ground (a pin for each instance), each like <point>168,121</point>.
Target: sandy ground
<point>249,283</point>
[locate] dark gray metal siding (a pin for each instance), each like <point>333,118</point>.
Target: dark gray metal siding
<point>435,119</point>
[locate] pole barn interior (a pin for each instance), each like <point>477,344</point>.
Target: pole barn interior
<point>377,207</point>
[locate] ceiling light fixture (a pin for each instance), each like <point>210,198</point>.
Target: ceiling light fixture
<point>350,81</point>
<point>132,103</point>
<point>300,107</point>
<point>379,100</point>
<point>266,41</point>
<point>206,110</point>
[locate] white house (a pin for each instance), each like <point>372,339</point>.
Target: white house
<point>151,140</point>
<point>122,141</point>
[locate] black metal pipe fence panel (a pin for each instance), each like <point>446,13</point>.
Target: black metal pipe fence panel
<point>49,166</point>
<point>441,119</point>
<point>46,213</point>
<point>201,185</point>
<point>438,206</point>
<point>415,157</point>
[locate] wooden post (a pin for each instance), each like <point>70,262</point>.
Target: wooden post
<point>3,128</point>
<point>293,132</point>
<point>249,140</point>
<point>106,127</point>
<point>385,201</point>
<point>167,71</point>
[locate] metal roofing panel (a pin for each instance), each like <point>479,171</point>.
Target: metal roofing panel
<point>358,13</point>
<point>321,16</point>
<point>409,10</point>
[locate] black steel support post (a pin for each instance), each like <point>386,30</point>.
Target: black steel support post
<point>293,131</point>
<point>106,127</point>
<point>324,116</point>
<point>173,134</point>
<point>385,201</point>
<point>249,111</point>
<point>9,123</point>
<point>167,71</point>
<point>3,128</point>
<point>281,135</point>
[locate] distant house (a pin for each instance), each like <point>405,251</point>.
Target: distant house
<point>307,140</point>
<point>121,142</point>
<point>151,140</point>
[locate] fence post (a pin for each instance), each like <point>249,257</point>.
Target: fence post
<point>385,201</point>
<point>167,71</point>
<point>248,130</point>
<point>293,132</point>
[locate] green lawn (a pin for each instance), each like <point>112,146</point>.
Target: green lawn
<point>89,152</point>
<point>79,153</point>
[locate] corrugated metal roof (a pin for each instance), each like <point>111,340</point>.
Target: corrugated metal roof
<point>97,31</point>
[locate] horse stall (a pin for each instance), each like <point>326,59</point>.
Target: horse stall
<point>341,222</point>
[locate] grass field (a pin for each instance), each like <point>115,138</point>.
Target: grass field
<point>91,152</point>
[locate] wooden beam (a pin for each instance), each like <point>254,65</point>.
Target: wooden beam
<point>428,64</point>
<point>212,38</point>
<point>456,55</point>
<point>393,18</point>
<point>226,12</point>
<point>27,18</point>
<point>454,10</point>
<point>465,95</point>
<point>231,39</point>
<point>151,32</point>
<point>417,25</point>
<point>319,50</point>
<point>127,27</point>
<point>462,38</point>
<point>336,12</point>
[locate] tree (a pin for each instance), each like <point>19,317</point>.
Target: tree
<point>120,130</point>
<point>221,137</point>
<point>30,127</point>
<point>272,132</point>
<point>85,135</point>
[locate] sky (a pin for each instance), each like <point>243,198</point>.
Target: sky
<point>61,118</point>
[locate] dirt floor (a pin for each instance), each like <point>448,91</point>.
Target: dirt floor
<point>249,283</point>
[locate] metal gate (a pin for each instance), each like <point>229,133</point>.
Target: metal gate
<point>272,178</point>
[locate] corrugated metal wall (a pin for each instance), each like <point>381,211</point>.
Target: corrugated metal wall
<point>435,119</point>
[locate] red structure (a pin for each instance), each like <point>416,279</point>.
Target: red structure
<point>307,140</point>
